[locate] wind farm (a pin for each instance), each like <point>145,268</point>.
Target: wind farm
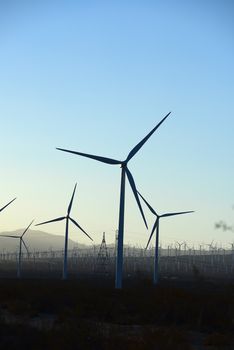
<point>124,172</point>
<point>94,268</point>
<point>116,181</point>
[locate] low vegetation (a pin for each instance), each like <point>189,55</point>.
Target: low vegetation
<point>90,314</point>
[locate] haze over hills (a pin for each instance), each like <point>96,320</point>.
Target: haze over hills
<point>36,240</point>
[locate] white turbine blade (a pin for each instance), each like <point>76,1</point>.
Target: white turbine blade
<point>27,229</point>
<point>54,220</point>
<point>152,232</point>
<point>7,204</point>
<point>149,206</point>
<point>141,143</point>
<point>134,190</point>
<point>25,245</point>
<point>180,213</point>
<point>9,236</point>
<point>75,223</point>
<point>98,158</point>
<point>71,201</point>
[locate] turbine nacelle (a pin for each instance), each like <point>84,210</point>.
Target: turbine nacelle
<point>20,238</point>
<point>156,224</point>
<point>67,217</point>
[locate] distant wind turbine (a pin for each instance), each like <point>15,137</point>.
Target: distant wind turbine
<point>7,204</point>
<point>67,218</point>
<point>156,228</point>
<point>20,248</point>
<point>125,171</point>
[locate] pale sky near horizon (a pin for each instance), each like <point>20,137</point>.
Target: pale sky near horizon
<point>96,77</point>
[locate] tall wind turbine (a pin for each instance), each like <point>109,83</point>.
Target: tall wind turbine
<point>7,204</point>
<point>67,218</point>
<point>20,248</point>
<point>125,171</point>
<point>156,228</point>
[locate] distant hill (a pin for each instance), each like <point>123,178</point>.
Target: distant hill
<point>36,240</point>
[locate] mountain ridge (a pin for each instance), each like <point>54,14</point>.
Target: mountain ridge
<point>36,240</point>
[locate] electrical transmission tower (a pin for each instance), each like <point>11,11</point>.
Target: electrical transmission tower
<point>103,257</point>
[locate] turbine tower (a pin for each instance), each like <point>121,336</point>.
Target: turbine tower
<point>67,218</point>
<point>7,204</point>
<point>156,228</point>
<point>124,172</point>
<point>20,248</point>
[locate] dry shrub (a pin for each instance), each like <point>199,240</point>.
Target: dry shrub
<point>218,340</point>
<point>149,339</point>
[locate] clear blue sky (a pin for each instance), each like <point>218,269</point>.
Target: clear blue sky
<point>96,76</point>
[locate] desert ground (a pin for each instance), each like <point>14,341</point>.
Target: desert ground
<point>88,313</point>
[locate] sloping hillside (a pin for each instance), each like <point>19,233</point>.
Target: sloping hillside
<point>35,240</point>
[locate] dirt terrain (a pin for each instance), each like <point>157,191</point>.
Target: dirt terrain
<point>91,314</point>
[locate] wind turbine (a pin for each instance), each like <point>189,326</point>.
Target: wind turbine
<point>156,228</point>
<point>7,204</point>
<point>20,248</point>
<point>125,171</point>
<point>67,218</point>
